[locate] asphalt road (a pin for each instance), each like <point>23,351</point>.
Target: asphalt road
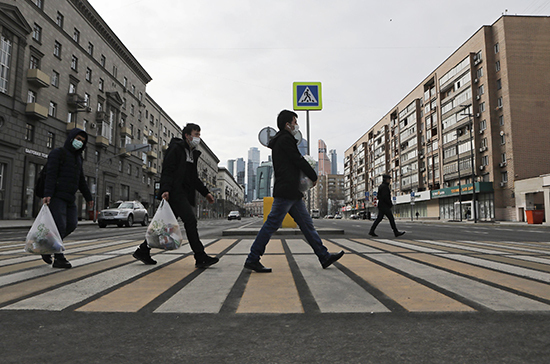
<point>481,335</point>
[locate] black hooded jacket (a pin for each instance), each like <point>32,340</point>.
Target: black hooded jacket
<point>384,196</point>
<point>64,174</point>
<point>179,177</point>
<point>287,164</point>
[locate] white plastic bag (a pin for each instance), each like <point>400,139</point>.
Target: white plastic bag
<point>305,182</point>
<point>44,238</point>
<point>164,230</point>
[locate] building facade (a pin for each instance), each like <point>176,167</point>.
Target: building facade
<point>251,166</point>
<point>469,130</point>
<point>323,161</point>
<point>264,175</point>
<point>229,194</point>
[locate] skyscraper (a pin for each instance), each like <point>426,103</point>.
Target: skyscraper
<point>302,147</point>
<point>231,166</point>
<point>240,171</point>
<point>252,165</point>
<point>333,161</point>
<point>324,161</point>
<point>263,179</point>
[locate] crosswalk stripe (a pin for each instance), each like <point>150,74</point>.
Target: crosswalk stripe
<point>271,293</point>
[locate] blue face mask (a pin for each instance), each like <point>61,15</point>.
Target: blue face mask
<point>77,144</point>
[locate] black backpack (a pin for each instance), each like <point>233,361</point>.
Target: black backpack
<point>40,184</point>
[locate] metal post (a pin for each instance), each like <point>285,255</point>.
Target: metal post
<point>474,207</point>
<point>459,183</point>
<point>308,153</point>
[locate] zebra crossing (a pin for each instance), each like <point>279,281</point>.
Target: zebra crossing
<point>374,276</point>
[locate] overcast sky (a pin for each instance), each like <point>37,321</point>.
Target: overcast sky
<point>229,65</point>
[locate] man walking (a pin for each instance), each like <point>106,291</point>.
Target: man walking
<point>287,164</point>
<point>178,182</point>
<point>64,176</point>
<point>384,207</point>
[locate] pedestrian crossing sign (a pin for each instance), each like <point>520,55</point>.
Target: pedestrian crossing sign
<point>307,96</point>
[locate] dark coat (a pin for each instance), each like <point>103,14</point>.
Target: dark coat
<point>179,177</point>
<point>64,174</point>
<point>287,164</point>
<point>384,196</point>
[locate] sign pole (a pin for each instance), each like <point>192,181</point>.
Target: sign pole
<point>308,153</point>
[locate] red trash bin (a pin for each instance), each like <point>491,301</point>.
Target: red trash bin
<point>534,216</point>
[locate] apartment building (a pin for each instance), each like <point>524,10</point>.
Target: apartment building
<point>229,194</point>
<point>466,133</point>
<point>62,67</point>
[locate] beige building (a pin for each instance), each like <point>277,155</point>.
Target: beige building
<point>229,194</point>
<point>480,119</point>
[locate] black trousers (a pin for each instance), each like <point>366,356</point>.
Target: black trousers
<point>384,211</point>
<point>182,208</point>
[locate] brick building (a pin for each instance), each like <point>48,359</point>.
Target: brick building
<point>479,121</point>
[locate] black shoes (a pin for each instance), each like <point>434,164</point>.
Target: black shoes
<point>333,257</point>
<point>47,258</point>
<point>257,267</point>
<point>206,261</point>
<point>399,233</point>
<point>144,255</point>
<point>61,262</point>
<point>371,233</point>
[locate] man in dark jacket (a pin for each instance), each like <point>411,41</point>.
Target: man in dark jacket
<point>178,182</point>
<point>64,176</point>
<point>287,164</point>
<point>384,207</point>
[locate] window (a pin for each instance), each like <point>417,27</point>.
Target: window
<point>140,96</point>
<point>503,157</point>
<point>50,143</point>
<point>76,35</point>
<point>497,66</point>
<point>125,82</point>
<point>504,177</point>
<point>499,84</point>
<point>479,72</point>
<point>88,74</point>
<point>120,166</point>
<point>503,139</point>
<point>37,32</point>
<point>101,84</point>
<point>481,90</point>
<point>133,89</point>
<point>485,160</point>
<point>74,63</point>
<point>59,20</point>
<point>115,71</point>
<point>34,62</point>
<point>102,61</point>
<point>5,56</point>
<point>132,109</point>
<point>52,110</point>
<point>72,88</point>
<point>57,49</point>
<point>497,48</point>
<point>55,79</point>
<point>38,3</point>
<point>90,49</point>
<point>124,103</point>
<point>29,133</point>
<point>482,107</point>
<point>499,103</point>
<point>483,125</point>
<point>501,120</point>
<point>31,97</point>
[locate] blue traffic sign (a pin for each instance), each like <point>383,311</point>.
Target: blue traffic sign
<point>307,96</point>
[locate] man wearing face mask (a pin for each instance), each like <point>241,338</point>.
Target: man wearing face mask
<point>287,198</point>
<point>64,176</point>
<point>178,182</point>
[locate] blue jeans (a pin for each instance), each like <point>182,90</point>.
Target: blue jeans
<point>296,209</point>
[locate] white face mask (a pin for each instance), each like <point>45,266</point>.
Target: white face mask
<point>195,142</point>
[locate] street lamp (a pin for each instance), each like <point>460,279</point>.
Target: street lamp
<point>471,127</point>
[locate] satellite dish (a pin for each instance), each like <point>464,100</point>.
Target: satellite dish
<point>265,135</point>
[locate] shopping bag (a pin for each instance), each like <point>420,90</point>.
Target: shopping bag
<point>305,182</point>
<point>43,237</point>
<point>164,230</point>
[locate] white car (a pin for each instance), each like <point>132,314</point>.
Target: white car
<point>123,213</point>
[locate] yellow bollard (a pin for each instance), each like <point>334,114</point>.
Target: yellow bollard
<point>288,222</point>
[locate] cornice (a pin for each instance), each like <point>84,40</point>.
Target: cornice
<point>89,13</point>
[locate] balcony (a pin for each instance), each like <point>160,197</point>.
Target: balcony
<point>125,131</point>
<point>37,111</point>
<point>151,170</point>
<point>165,147</point>
<point>71,126</point>
<point>152,139</point>
<point>152,154</point>
<point>38,78</point>
<point>101,141</point>
<point>122,153</point>
<point>77,101</point>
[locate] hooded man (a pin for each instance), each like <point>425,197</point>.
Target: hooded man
<point>287,198</point>
<point>178,182</point>
<point>65,176</point>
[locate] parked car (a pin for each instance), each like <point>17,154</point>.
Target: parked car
<point>123,213</point>
<point>353,217</point>
<point>234,215</point>
<point>338,216</point>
